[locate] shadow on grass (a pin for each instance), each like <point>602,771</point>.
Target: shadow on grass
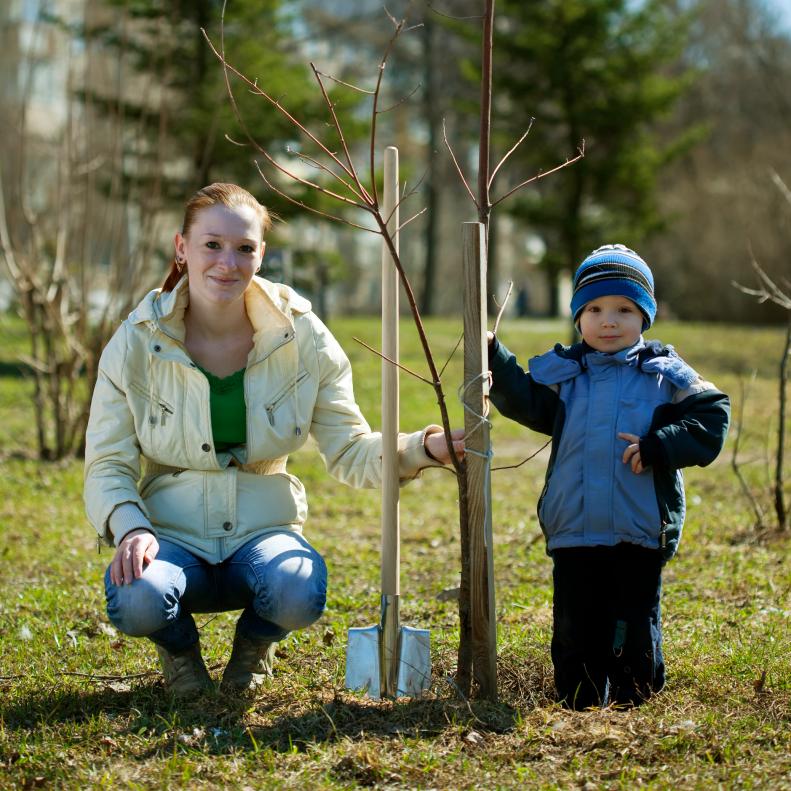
<point>219,723</point>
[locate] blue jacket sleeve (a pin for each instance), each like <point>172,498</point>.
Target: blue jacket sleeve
<point>691,432</point>
<point>517,395</point>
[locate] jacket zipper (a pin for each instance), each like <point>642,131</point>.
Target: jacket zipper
<point>165,409</point>
<point>271,407</point>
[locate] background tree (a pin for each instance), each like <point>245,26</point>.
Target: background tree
<point>721,212</point>
<point>161,42</point>
<point>602,71</point>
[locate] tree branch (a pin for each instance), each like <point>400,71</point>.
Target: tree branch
<point>302,205</point>
<point>543,174</point>
<point>502,307</point>
<point>393,362</point>
<point>457,166</point>
<point>377,89</point>
<point>363,194</point>
<point>510,151</point>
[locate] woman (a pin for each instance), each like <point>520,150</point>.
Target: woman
<point>210,383</point>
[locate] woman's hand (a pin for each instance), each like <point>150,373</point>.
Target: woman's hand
<point>632,453</point>
<point>138,546</point>
<point>437,447</point>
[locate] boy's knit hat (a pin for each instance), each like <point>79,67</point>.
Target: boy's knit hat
<point>614,269</point>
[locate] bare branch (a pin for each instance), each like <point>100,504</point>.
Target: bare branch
<point>325,169</point>
<point>770,292</point>
<point>363,193</point>
<point>413,217</point>
<point>458,167</point>
<point>393,362</point>
<point>405,195</point>
<point>502,307</point>
<point>524,461</point>
<point>543,174</point>
<point>450,356</point>
<point>401,100</point>
<point>511,151</point>
<point>781,185</point>
<point>259,91</point>
<point>735,466</point>
<point>382,64</point>
<point>455,18</point>
<point>345,84</point>
<point>294,177</point>
<point>302,205</point>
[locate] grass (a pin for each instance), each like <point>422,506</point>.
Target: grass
<point>82,706</point>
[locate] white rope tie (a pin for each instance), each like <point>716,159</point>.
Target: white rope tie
<point>483,420</point>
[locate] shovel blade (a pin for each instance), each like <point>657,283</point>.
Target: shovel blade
<point>414,666</point>
<point>363,661</point>
<point>363,670</point>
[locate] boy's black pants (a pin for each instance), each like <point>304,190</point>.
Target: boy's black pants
<point>607,638</point>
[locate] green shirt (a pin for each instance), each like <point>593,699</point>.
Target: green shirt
<point>228,411</point>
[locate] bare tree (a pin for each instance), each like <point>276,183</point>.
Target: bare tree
<point>769,291</point>
<point>65,237</point>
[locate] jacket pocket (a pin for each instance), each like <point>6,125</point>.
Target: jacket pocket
<point>159,410</point>
<point>272,404</point>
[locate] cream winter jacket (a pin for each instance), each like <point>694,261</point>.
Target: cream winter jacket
<point>150,409</point>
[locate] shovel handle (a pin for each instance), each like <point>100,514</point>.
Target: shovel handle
<point>390,406</point>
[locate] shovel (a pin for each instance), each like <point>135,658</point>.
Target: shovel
<point>389,660</point>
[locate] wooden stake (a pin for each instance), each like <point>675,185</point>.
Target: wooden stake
<point>479,495</point>
<point>391,585</point>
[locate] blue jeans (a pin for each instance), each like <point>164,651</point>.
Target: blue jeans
<point>278,581</point>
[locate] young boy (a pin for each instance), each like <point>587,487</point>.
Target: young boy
<point>625,415</point>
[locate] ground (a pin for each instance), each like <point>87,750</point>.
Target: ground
<point>83,706</point>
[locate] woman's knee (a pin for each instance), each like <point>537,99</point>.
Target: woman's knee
<point>140,608</point>
<point>294,594</point>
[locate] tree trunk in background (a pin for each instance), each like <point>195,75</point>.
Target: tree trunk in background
<point>431,110</point>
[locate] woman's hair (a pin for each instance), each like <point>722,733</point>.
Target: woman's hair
<point>230,195</point>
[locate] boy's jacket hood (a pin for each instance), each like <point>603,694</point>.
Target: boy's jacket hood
<point>566,362</point>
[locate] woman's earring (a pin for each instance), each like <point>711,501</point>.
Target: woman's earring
<point>180,264</point>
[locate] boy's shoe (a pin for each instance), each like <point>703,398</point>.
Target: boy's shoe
<point>249,666</point>
<point>185,673</point>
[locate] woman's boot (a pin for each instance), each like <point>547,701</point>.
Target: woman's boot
<point>185,673</point>
<point>249,666</point>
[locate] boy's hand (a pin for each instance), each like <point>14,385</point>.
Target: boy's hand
<point>632,453</point>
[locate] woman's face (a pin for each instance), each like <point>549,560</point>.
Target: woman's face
<point>223,250</point>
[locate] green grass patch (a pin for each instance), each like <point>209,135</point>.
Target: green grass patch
<point>82,706</point>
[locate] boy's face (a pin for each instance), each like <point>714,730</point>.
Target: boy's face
<point>611,323</point>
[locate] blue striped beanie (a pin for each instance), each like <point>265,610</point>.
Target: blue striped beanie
<point>614,269</point>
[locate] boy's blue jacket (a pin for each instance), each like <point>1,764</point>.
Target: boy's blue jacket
<point>583,399</point>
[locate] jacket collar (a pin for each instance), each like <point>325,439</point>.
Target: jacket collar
<point>630,356</point>
<point>271,308</point>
